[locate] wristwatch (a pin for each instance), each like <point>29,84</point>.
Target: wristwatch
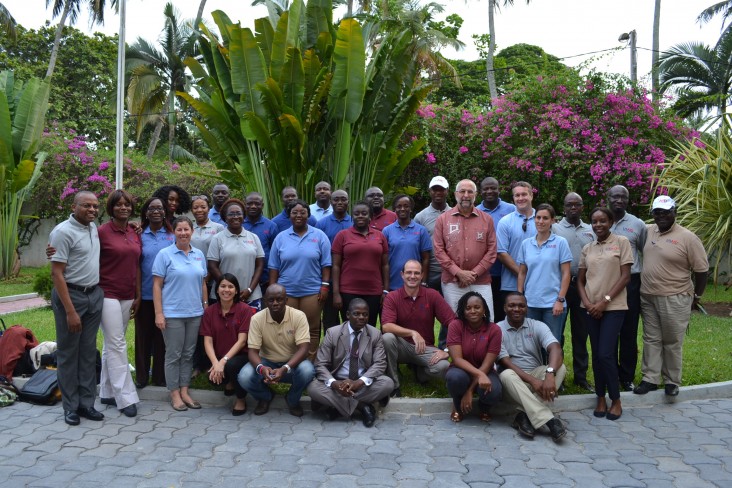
<point>549,370</point>
<point>608,299</point>
<point>561,299</point>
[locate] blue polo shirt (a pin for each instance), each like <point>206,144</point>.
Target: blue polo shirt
<point>501,210</point>
<point>405,243</point>
<point>266,230</point>
<point>510,235</point>
<point>300,260</point>
<point>215,216</point>
<point>544,269</point>
<point>152,243</point>
<point>283,221</point>
<point>332,225</point>
<point>182,281</point>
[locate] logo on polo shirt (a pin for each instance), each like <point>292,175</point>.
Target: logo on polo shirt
<point>589,234</point>
<point>479,235</point>
<point>454,228</point>
<point>673,241</point>
<point>551,246</point>
<point>629,230</point>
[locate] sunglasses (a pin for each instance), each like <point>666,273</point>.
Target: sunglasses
<point>525,224</point>
<point>199,197</point>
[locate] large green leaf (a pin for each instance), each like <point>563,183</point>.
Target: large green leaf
<point>247,69</point>
<point>292,81</point>
<point>265,38</point>
<point>349,56</point>
<point>319,20</point>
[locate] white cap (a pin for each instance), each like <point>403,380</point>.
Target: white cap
<point>664,202</point>
<point>439,181</point>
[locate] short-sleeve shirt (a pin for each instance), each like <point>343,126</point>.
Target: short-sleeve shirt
<point>77,245</point>
<point>543,269</point>
<point>152,243</point>
<point>278,341</point>
<point>319,212</point>
<point>224,330</point>
<point>669,258</point>
<point>524,345</point>
<point>427,218</point>
<point>635,230</point>
<point>577,237</point>
<point>119,260</point>
<point>385,218</point>
<point>332,225</point>
<point>266,230</point>
<point>418,313</point>
<point>510,237</point>
<point>361,261</point>
<point>282,221</point>
<point>405,243</point>
<point>300,260</point>
<point>465,243</point>
<point>501,210</point>
<point>475,344</point>
<point>182,281</point>
<point>603,261</point>
<point>202,235</point>
<point>237,254</point>
<point>215,216</point>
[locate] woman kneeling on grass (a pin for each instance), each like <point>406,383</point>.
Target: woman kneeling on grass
<point>224,328</point>
<point>474,343</point>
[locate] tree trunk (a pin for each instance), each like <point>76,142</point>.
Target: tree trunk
<point>57,39</point>
<point>349,12</point>
<point>171,123</point>
<point>491,49</point>
<point>654,52</point>
<point>155,138</point>
<point>199,15</point>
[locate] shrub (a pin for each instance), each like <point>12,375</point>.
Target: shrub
<point>42,282</point>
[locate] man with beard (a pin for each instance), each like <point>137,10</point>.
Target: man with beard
<point>381,217</point>
<point>322,207</point>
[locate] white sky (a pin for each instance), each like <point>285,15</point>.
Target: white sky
<point>561,27</point>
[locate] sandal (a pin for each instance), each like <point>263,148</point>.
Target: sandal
<point>485,417</point>
<point>456,416</point>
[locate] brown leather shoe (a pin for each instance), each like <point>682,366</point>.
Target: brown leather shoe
<point>262,407</point>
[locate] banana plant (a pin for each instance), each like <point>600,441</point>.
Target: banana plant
<point>23,109</point>
<point>298,101</point>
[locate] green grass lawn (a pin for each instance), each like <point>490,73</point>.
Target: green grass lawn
<point>707,348</point>
<point>23,283</point>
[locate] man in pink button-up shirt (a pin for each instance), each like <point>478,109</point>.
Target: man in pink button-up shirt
<point>464,243</point>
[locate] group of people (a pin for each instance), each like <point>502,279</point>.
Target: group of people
<point>246,298</point>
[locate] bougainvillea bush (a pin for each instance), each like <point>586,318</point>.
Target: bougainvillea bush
<point>561,134</point>
<point>72,166</point>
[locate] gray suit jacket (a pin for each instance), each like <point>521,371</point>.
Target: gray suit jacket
<point>334,352</point>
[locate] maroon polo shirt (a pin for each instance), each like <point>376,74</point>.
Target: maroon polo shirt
<point>361,260</point>
<point>119,258</point>
<point>225,330</point>
<point>385,218</point>
<point>476,344</point>
<point>418,313</point>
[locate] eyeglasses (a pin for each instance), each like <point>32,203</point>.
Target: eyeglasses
<point>89,205</point>
<point>234,214</point>
<point>525,224</point>
<point>155,209</point>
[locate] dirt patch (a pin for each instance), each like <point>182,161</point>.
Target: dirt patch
<point>718,309</point>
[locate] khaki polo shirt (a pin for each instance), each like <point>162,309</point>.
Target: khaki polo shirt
<point>669,258</point>
<point>278,341</point>
<point>603,261</point>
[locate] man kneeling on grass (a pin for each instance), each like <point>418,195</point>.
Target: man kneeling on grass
<point>525,379</point>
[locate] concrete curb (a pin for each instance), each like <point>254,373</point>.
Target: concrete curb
<point>13,298</point>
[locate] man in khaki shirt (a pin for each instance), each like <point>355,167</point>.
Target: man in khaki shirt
<point>279,341</point>
<point>673,279</point>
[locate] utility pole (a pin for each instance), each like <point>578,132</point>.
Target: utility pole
<point>631,38</point>
<point>119,139</point>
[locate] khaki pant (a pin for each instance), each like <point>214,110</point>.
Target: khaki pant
<point>399,351</point>
<point>312,308</point>
<point>665,320</point>
<point>515,390</point>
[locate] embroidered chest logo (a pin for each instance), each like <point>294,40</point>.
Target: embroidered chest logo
<point>479,235</point>
<point>454,228</point>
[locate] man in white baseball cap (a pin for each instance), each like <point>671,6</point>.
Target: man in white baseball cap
<point>673,279</point>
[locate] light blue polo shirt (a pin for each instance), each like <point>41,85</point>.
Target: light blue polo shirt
<point>183,279</point>
<point>501,210</point>
<point>510,235</point>
<point>320,213</point>
<point>331,225</point>
<point>152,243</point>
<point>544,269</point>
<point>405,243</point>
<point>300,260</point>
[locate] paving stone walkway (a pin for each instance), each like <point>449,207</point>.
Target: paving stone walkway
<point>686,444</point>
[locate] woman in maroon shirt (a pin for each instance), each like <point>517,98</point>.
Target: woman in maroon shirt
<point>224,328</point>
<point>119,278</point>
<point>474,344</point>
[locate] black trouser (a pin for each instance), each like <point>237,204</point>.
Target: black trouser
<point>628,338</point>
<point>149,344</point>
<point>498,299</point>
<point>580,358</point>
<point>231,373</point>
<point>330,314</point>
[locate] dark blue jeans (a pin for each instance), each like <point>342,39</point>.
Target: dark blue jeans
<point>603,340</point>
<point>458,381</point>
<point>300,377</point>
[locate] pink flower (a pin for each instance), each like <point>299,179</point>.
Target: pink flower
<point>463,149</point>
<point>431,159</point>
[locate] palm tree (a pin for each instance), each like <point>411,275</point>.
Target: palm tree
<point>492,5</point>
<point>69,9</point>
<point>7,23</point>
<point>700,75</point>
<point>723,8</point>
<point>155,75</point>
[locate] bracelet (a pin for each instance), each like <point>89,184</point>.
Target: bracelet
<point>386,292</point>
<point>249,290</point>
<point>425,285</point>
<point>259,369</point>
<point>205,302</point>
<point>324,288</point>
<point>287,366</point>
<point>325,283</point>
